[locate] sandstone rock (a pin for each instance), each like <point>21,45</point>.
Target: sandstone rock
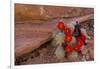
<point>38,13</point>
<point>26,42</point>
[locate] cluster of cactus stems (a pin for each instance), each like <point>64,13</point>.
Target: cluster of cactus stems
<point>69,38</point>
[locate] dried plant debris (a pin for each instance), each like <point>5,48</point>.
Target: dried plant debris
<point>89,26</point>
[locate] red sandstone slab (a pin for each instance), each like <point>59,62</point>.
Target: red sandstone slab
<point>25,43</point>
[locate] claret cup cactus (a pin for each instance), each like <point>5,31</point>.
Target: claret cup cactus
<point>69,39</point>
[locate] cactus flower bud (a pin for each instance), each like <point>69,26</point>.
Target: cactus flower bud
<point>61,25</point>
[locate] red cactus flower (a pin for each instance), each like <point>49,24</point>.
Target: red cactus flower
<point>68,49</point>
<point>77,48</point>
<point>68,38</point>
<point>79,41</point>
<point>83,37</point>
<point>67,31</point>
<point>61,26</point>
